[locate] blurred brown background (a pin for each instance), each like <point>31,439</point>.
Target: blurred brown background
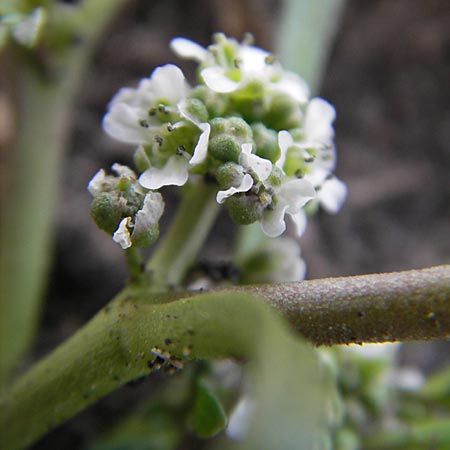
<point>389,79</point>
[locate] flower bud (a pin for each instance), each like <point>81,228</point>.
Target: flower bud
<point>244,208</point>
<point>215,103</point>
<point>266,141</point>
<point>106,210</point>
<point>196,108</point>
<point>224,148</point>
<point>229,175</point>
<point>282,113</point>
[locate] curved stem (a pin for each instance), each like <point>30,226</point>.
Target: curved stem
<point>186,235</point>
<point>120,342</point>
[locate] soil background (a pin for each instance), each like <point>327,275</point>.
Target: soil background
<point>389,79</point>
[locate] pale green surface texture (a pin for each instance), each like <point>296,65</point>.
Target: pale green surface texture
<point>306,34</point>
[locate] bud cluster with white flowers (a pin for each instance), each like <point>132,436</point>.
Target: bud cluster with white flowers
<point>249,125</point>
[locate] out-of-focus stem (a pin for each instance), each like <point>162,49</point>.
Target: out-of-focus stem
<point>186,235</point>
<point>306,34</point>
<point>26,224</point>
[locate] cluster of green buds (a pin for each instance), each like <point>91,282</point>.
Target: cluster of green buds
<point>249,125</point>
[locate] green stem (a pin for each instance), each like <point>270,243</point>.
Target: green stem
<point>115,346</point>
<point>306,34</point>
<point>26,224</point>
<point>187,233</point>
<point>399,306</point>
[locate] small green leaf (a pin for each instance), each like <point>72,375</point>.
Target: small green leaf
<point>208,415</point>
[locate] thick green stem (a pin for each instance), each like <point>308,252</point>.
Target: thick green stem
<point>116,345</point>
<point>26,225</point>
<point>399,306</point>
<point>186,235</point>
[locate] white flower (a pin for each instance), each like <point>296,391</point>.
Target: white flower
<point>251,163</point>
<point>228,66</point>
<point>291,196</point>
<point>129,118</point>
<point>95,186</point>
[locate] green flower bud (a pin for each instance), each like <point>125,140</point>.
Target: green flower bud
<point>145,237</point>
<point>234,126</point>
<point>195,107</point>
<point>216,104</point>
<point>224,148</point>
<point>282,113</point>
<point>244,208</point>
<point>106,210</point>
<point>229,175</point>
<point>266,141</point>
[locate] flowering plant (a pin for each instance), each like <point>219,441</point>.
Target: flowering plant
<point>250,136</point>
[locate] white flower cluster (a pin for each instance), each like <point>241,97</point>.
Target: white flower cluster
<point>249,124</point>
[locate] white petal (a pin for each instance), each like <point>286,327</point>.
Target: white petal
<point>168,82</point>
<point>318,121</point>
<point>175,172</point>
<point>215,78</point>
<point>201,149</point>
<point>122,234</point>
<point>252,60</point>
<point>123,171</point>
<point>246,184</point>
<point>300,221</point>
<point>295,193</point>
<point>293,85</point>
<point>272,222</point>
<point>285,140</point>
<point>332,195</point>
<point>261,166</point>
<point>95,186</point>
<point>188,49</point>
<point>122,123</point>
<point>151,212</point>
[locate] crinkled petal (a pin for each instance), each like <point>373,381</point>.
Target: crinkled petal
<point>185,48</point>
<point>295,193</point>
<point>318,121</point>
<point>123,171</point>
<point>168,82</point>
<point>293,85</point>
<point>272,221</point>
<point>285,140</point>
<point>332,195</point>
<point>122,122</point>
<point>300,221</point>
<point>122,234</point>
<point>246,184</point>
<point>151,212</point>
<point>261,166</point>
<point>201,149</point>
<point>174,172</point>
<point>215,78</point>
<point>95,186</point>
